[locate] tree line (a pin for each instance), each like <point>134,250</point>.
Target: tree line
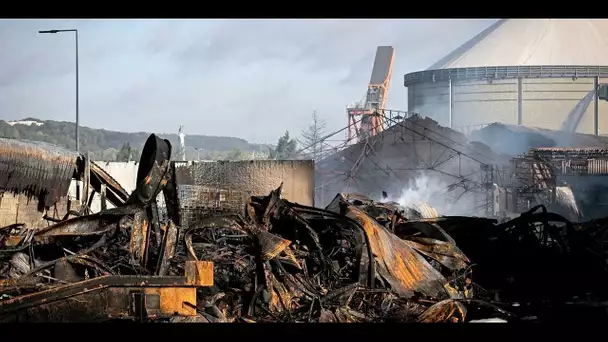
<point>103,145</point>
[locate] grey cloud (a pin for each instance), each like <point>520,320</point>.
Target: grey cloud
<point>318,45</point>
<point>321,45</point>
<point>32,67</point>
<point>23,64</point>
<point>27,56</point>
<point>248,78</point>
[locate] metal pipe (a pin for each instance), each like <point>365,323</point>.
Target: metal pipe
<point>520,101</point>
<point>77,81</point>
<point>77,98</point>
<point>450,102</point>
<point>596,81</point>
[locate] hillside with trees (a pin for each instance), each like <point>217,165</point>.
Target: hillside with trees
<point>104,145</point>
<point>107,145</point>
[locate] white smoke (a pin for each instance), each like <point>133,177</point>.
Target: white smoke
<point>421,190</point>
<point>434,192</point>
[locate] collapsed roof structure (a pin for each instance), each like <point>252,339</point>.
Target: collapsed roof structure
<point>416,149</point>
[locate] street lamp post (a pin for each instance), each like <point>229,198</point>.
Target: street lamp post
<point>77,100</point>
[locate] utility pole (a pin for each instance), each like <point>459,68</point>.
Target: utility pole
<point>77,95</point>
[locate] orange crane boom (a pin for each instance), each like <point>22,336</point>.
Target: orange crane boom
<point>372,119</point>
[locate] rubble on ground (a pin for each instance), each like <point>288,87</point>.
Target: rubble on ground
<point>357,260</point>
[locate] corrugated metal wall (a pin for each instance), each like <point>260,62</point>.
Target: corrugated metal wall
<point>597,166</point>
<point>546,102</point>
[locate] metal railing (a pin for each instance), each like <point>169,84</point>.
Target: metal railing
<point>506,72</point>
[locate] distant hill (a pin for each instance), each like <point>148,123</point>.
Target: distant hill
<point>103,144</point>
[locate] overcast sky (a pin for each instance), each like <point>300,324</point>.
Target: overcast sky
<point>251,79</point>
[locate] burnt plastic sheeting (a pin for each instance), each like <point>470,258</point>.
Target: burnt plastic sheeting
<point>153,166</point>
<point>36,169</point>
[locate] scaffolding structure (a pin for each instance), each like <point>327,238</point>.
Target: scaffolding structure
<point>539,172</point>
<point>406,147</point>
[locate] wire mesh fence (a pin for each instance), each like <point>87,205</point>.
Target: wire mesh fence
<point>197,202</point>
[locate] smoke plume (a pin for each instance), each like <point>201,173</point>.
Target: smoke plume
<point>434,191</point>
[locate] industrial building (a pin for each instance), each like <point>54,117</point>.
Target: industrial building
<point>517,86</point>
<point>529,72</point>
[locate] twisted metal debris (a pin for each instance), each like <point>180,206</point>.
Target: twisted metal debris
<point>109,265</point>
<point>357,260</point>
<point>291,263</point>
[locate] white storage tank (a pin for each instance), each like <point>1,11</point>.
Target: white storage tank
<point>528,72</point>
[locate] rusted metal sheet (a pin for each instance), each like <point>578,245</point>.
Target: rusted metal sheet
<point>168,248</point>
<point>446,311</point>
<point>155,303</point>
<point>80,226</point>
<point>37,169</point>
<point>444,252</point>
<point>96,224</point>
<point>199,273</point>
<point>140,232</point>
<point>398,263</point>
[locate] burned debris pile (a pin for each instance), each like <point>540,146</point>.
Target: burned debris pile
<point>109,265</point>
<point>357,260</point>
<point>362,261</point>
<point>285,262</point>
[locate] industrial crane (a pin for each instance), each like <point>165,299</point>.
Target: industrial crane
<point>372,118</point>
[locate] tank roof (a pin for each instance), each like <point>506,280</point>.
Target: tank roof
<point>532,42</point>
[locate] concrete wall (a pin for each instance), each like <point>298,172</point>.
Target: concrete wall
<point>546,102</point>
<point>253,178</point>
<point>205,187</point>
<point>18,209</point>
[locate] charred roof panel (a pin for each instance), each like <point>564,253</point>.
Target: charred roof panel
<point>36,169</point>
